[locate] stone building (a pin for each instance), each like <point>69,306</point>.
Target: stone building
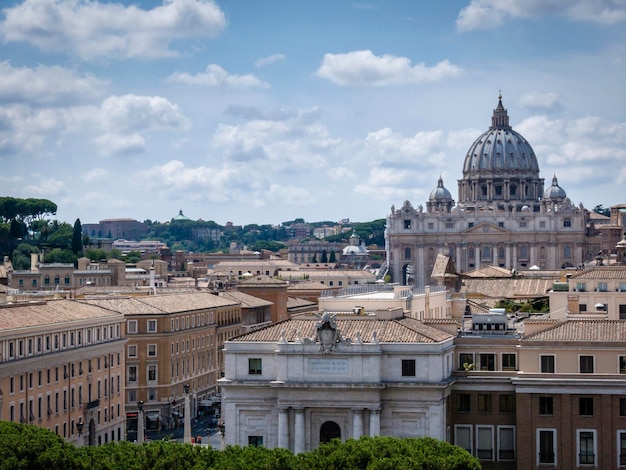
<point>503,216</point>
<point>62,363</point>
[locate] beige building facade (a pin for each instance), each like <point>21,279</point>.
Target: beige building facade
<point>62,363</point>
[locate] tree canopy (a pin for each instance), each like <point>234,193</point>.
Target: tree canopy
<point>25,209</point>
<point>25,446</point>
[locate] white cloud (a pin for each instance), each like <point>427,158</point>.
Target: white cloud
<point>95,174</point>
<point>46,86</point>
<point>131,113</point>
<point>487,14</point>
<point>91,29</point>
<point>422,150</point>
<point>118,144</point>
<point>45,187</point>
<point>341,174</point>
<point>269,60</point>
<point>365,68</point>
<point>538,101</point>
<point>216,76</point>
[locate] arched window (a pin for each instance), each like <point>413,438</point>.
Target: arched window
<point>329,430</point>
<point>431,254</point>
<point>407,253</point>
<point>523,252</point>
<point>486,253</point>
<point>567,252</point>
<point>501,253</point>
<point>542,252</point>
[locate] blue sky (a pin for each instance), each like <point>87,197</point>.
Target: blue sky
<point>264,111</point>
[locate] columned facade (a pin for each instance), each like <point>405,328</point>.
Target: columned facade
<point>503,216</point>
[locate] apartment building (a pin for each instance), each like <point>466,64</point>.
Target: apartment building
<point>63,363</point>
<point>173,340</point>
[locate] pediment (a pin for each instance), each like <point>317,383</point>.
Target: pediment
<point>486,227</point>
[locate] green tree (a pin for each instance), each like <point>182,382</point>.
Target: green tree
<point>57,255</point>
<point>389,453</point>
<point>60,235</point>
<point>21,256</point>
<point>95,254</point>
<point>599,209</point>
<point>77,237</point>
<point>332,258</point>
<point>324,258</point>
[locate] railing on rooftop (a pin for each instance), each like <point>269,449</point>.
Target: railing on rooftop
<point>407,291</point>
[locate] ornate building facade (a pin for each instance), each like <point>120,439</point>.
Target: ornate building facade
<point>504,217</point>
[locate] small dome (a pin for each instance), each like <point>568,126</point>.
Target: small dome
<point>440,193</point>
<point>525,209</point>
<point>554,191</point>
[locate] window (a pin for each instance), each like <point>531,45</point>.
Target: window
<point>585,406</point>
<point>509,362</point>
<point>586,364</point>
<point>622,364</point>
<point>132,350</point>
<point>254,366</point>
<point>567,222</point>
<point>132,373</point>
<point>487,361</point>
<point>547,364</point>
<point>542,224</point>
<point>603,287</point>
<point>582,308</point>
<point>466,361</point>
<point>546,405</point>
<point>581,287</point>
<point>586,443</point>
<point>255,441</point>
<point>408,367</point>
<point>463,403</point>
<point>506,442</point>
<point>431,226</point>
<point>546,443</point>
<point>407,224</point>
<point>407,253</point>
<point>484,442</point>
<point>621,442</point>
<point>622,407</point>
<point>463,437</point>
<point>152,372</point>
<point>152,326</point>
<point>507,403</point>
<point>484,403</point>
<point>152,350</point>
<point>132,326</point>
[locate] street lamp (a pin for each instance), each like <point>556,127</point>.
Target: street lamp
<point>140,433</point>
<point>187,434</point>
<point>222,427</point>
<point>79,428</point>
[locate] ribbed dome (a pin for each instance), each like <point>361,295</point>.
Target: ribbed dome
<point>500,148</point>
<point>554,191</point>
<point>440,193</point>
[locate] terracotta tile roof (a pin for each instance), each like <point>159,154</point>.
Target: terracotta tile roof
<point>295,302</point>
<point>490,271</point>
<point>48,313</point>
<point>601,273</point>
<point>262,280</point>
<point>583,330</point>
<point>172,303</point>
<point>405,330</point>
<point>307,285</point>
<point>246,300</point>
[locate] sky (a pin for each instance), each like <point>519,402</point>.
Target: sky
<point>266,111</point>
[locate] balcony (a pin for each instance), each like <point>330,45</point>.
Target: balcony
<point>93,404</point>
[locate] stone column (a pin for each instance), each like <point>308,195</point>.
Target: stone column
<point>374,423</point>
<point>283,428</point>
<point>299,432</point>
<point>357,423</point>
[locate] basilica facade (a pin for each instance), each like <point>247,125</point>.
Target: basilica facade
<point>503,217</point>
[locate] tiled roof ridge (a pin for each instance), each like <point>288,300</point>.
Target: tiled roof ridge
<point>562,323</point>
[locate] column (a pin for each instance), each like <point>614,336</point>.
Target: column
<point>357,423</point>
<point>283,428</point>
<point>187,424</point>
<point>374,423</point>
<point>299,432</point>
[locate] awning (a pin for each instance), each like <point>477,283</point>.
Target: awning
<point>153,415</point>
<point>204,403</point>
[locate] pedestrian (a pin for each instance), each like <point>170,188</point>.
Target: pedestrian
<point>199,439</point>
<point>193,440</point>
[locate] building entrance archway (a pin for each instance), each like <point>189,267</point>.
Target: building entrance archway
<point>329,430</point>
